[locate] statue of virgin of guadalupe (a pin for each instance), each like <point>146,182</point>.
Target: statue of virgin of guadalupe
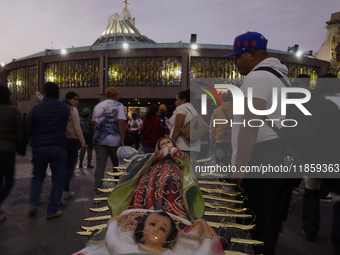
<point>161,181</point>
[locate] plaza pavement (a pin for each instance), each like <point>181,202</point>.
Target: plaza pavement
<point>21,235</point>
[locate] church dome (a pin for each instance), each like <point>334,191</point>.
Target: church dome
<point>121,29</point>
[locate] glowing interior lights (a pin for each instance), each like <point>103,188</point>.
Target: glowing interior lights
<point>51,78</point>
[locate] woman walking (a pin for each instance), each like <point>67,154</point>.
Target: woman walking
<point>73,135</point>
<point>184,112</point>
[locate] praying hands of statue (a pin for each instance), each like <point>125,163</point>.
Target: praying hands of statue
<point>167,150</point>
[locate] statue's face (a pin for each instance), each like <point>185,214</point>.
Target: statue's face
<point>166,143</point>
<point>156,230</point>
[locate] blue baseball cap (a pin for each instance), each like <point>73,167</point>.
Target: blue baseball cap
<point>247,42</point>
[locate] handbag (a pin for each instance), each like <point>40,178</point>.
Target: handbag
<point>194,129</point>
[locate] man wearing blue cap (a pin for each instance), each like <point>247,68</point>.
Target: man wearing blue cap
<point>255,146</point>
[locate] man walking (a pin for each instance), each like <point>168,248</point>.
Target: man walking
<point>267,198</point>
<point>109,124</point>
<point>46,125</point>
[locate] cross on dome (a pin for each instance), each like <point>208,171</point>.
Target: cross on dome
<point>125,2</point>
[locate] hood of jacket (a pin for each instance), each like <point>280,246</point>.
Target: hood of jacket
<point>274,63</point>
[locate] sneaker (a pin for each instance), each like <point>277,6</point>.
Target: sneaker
<point>68,194</point>
<point>90,166</point>
<point>327,199</point>
<point>295,191</point>
<point>33,212</point>
<point>80,166</point>
<point>55,215</point>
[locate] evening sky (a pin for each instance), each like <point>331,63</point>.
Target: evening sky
<point>30,26</point>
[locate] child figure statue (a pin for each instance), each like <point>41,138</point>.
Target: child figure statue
<point>155,233</point>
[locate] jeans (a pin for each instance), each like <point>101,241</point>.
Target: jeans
<point>7,161</point>
<point>72,158</point>
<point>56,156</point>
<point>89,149</point>
<point>102,153</point>
<point>136,135</point>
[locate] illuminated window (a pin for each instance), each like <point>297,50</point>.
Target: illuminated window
<point>295,69</point>
<point>158,71</point>
<point>23,83</point>
<point>73,74</point>
<point>216,68</point>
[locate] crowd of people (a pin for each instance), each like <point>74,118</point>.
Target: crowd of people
<point>56,133</point>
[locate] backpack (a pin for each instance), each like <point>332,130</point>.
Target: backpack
<point>316,138</point>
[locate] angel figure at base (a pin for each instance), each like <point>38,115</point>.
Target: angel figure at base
<point>155,233</point>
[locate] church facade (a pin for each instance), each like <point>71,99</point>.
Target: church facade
<point>145,72</point>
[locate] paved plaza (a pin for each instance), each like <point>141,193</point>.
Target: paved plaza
<point>21,235</point>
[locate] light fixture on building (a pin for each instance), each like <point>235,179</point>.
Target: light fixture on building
<point>63,51</point>
<point>128,102</point>
<point>159,102</point>
<point>298,54</point>
<point>148,102</point>
<point>194,46</point>
<point>138,102</point>
<point>3,64</point>
<point>309,53</point>
<point>294,48</point>
<point>125,45</point>
<point>193,39</point>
